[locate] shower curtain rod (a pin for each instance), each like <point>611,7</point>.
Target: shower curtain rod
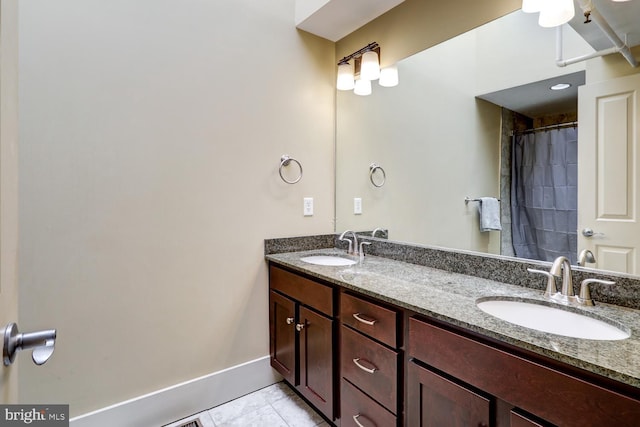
<point>558,126</point>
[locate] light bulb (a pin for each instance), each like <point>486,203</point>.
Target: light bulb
<point>369,67</point>
<point>556,12</point>
<point>389,76</point>
<point>363,87</point>
<point>345,79</point>
<point>531,6</point>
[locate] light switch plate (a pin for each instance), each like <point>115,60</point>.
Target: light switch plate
<point>308,206</point>
<point>357,206</point>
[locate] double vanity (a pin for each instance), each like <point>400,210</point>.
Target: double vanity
<point>382,342</point>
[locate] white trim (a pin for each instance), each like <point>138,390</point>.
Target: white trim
<point>181,400</point>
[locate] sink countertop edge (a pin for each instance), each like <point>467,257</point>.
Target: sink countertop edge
<point>432,292</point>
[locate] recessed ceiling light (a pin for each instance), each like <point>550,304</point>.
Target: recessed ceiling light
<point>560,86</point>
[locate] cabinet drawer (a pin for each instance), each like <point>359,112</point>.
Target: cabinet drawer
<point>357,409</point>
<point>371,366</point>
<point>308,292</point>
<point>521,382</point>
<point>369,318</point>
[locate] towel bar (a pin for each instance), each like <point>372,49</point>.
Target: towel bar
<point>469,199</point>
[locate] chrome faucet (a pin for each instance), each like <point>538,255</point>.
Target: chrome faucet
<point>562,265</point>
<point>586,256</point>
<point>380,229</point>
<point>353,245</point>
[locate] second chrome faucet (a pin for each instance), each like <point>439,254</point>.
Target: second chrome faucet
<point>561,267</point>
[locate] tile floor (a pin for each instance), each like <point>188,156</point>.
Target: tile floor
<point>273,406</point>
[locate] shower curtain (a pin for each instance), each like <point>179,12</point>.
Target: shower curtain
<point>544,195</point>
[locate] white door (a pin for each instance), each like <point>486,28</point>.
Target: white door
<point>8,185</point>
<point>608,175</point>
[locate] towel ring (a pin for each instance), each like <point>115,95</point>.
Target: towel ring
<point>285,160</point>
<point>373,167</point>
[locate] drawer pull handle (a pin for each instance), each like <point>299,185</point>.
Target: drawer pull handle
<point>299,327</point>
<point>355,420</point>
<point>289,320</point>
<point>364,368</point>
<point>365,321</point>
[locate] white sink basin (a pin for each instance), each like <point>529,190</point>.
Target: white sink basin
<point>554,320</point>
<point>335,261</point>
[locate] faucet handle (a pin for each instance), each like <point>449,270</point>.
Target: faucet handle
<point>585,294</point>
<point>551,281</point>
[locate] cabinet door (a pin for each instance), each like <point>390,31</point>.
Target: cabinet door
<point>316,359</point>
<point>282,336</point>
<point>434,401</point>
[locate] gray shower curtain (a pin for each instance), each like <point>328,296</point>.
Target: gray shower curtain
<point>544,195</point>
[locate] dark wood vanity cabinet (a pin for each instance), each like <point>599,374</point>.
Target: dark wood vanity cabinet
<point>350,364</point>
<point>473,379</point>
<point>302,335</point>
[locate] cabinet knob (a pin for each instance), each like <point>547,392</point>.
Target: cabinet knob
<point>299,327</point>
<point>289,320</point>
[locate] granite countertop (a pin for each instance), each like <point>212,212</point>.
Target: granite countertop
<point>451,297</point>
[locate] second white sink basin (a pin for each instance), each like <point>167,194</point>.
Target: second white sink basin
<point>336,261</point>
<point>554,320</point>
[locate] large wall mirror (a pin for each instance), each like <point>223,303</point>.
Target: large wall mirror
<point>445,134</point>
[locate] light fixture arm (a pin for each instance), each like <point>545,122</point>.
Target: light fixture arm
<point>357,54</point>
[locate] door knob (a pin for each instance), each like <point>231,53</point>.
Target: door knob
<point>588,232</point>
<point>42,343</point>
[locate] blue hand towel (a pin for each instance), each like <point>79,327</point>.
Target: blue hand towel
<point>489,209</point>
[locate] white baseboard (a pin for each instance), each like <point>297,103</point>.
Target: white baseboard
<point>181,400</point>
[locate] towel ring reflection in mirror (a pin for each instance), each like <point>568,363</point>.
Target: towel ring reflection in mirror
<point>285,160</point>
<point>373,167</point>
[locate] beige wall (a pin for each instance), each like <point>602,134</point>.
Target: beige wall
<point>415,25</point>
<point>151,133</point>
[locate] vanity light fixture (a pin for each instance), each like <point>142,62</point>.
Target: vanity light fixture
<point>389,76</point>
<point>556,12</point>
<point>552,12</point>
<point>370,66</point>
<point>531,6</point>
<point>362,87</point>
<point>560,86</point>
<point>346,80</point>
<point>356,71</point>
